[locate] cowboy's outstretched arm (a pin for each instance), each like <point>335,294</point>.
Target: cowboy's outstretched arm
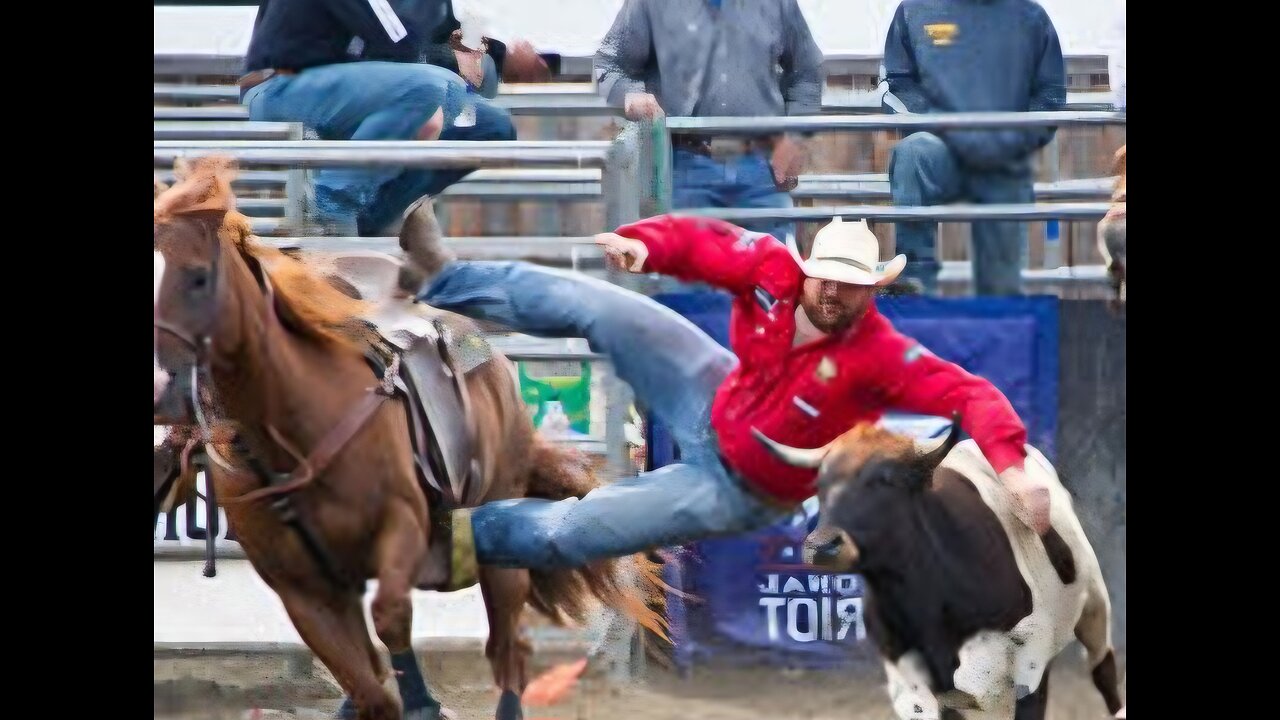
<point>917,381</point>
<point>914,380</point>
<point>715,252</point>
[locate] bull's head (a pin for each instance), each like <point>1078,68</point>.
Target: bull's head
<point>866,481</point>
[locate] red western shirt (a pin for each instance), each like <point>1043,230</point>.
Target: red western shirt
<point>806,396</point>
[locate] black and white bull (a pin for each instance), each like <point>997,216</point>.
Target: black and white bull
<point>967,605</point>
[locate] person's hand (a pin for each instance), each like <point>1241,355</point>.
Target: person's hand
<point>623,253</point>
<point>788,160</point>
<point>1031,499</point>
<point>641,106</point>
<point>470,60</point>
<point>524,64</point>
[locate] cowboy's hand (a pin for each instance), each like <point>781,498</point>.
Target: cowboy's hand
<point>641,106</point>
<point>623,253</point>
<point>1031,499</point>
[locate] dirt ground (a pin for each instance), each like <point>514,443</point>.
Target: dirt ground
<point>709,694</point>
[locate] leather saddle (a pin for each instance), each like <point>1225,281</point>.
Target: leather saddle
<point>434,353</point>
<point>431,352</point>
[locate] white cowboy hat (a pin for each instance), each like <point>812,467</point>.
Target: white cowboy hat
<point>848,253</point>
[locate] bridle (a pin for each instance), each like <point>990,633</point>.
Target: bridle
<point>277,485</point>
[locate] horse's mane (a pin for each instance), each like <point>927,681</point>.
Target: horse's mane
<point>316,308</point>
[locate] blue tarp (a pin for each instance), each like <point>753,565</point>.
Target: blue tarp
<point>753,603</point>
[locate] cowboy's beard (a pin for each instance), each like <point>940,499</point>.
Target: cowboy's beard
<point>832,312</point>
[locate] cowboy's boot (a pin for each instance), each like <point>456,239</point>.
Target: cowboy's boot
<point>422,241</point>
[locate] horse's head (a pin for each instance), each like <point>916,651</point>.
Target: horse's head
<point>188,221</point>
<point>867,478</point>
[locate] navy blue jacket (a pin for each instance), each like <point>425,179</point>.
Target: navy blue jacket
<point>298,34</point>
<point>974,56</point>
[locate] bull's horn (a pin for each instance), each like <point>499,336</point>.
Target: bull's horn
<point>799,457</point>
<point>935,449</point>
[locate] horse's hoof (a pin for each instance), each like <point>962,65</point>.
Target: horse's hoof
<point>428,713</point>
<point>1022,691</point>
<point>509,706</point>
<point>347,711</point>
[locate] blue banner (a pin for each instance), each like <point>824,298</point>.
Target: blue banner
<point>754,600</point>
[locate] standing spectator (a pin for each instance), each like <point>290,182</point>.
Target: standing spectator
<point>706,58</point>
<point>970,56</point>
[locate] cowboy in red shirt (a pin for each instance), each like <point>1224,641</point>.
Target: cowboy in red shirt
<point>812,357</point>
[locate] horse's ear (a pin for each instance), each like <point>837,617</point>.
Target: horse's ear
<point>157,186</point>
<point>212,218</point>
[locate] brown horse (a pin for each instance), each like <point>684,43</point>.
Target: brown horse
<point>263,345</point>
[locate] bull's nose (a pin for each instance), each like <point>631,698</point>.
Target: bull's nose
<point>831,549</point>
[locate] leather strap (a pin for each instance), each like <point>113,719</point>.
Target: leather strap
<point>324,452</point>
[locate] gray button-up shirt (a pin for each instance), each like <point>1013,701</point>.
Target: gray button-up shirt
<point>750,57</point>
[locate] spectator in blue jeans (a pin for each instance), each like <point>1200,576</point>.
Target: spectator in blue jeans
<point>970,56</point>
<point>704,58</point>
<point>353,70</point>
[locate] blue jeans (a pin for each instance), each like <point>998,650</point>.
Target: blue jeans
<point>376,101</point>
<point>923,171</point>
<point>698,181</point>
<point>671,365</point>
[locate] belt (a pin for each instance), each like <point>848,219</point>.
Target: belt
<point>754,491</point>
<point>251,80</point>
<point>721,147</point>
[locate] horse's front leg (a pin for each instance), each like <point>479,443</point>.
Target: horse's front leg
<point>335,630</point>
<point>401,548</point>
<point>505,592</point>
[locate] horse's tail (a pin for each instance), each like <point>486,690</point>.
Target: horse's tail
<point>631,585</point>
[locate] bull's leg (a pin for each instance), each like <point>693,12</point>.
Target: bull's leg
<point>1093,630</point>
<point>909,689</point>
<point>505,592</point>
<point>1035,705</point>
<point>401,549</point>
<point>340,644</point>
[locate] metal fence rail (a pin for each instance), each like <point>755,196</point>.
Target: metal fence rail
<point>374,153</point>
<point>939,213</point>
<point>939,121</point>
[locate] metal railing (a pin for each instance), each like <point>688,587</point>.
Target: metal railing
<point>659,134</point>
<point>558,99</point>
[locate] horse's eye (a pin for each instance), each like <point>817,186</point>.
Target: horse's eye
<point>198,278</point>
